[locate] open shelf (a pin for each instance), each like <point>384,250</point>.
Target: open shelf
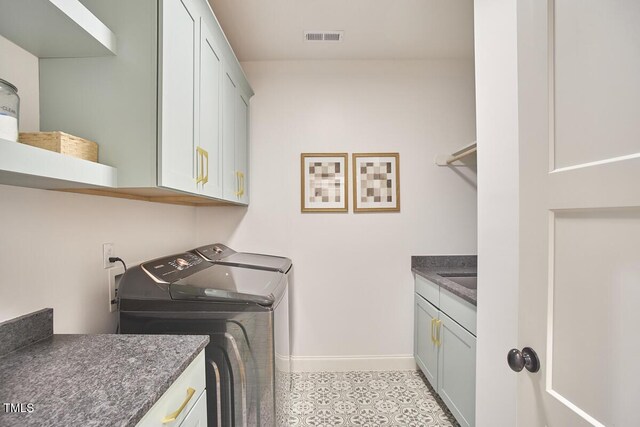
<point>462,153</point>
<point>26,166</point>
<point>55,28</point>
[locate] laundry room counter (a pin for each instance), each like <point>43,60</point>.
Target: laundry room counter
<point>85,380</point>
<point>438,269</point>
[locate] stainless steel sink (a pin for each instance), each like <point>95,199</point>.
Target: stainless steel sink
<point>469,282</point>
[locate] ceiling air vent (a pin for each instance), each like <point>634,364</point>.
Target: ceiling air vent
<point>323,36</point>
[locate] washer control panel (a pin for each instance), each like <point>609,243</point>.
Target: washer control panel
<point>214,252</point>
<point>175,267</point>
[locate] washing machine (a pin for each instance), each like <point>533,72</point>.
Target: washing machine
<point>241,309</point>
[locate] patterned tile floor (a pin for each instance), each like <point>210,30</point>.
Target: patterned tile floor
<point>366,399</point>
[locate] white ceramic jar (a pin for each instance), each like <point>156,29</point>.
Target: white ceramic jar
<point>9,111</point>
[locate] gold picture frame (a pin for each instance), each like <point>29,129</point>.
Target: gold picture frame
<point>324,181</point>
<point>376,182</point>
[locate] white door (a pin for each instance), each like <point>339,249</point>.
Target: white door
<point>579,124</point>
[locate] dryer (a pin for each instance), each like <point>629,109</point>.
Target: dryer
<point>220,254</point>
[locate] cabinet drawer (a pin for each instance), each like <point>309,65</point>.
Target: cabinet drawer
<point>428,290</point>
<point>193,377</point>
<point>459,310</point>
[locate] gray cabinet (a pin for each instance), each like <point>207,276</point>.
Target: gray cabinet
<point>457,369</point>
<point>230,180</point>
<point>209,157</point>
<point>444,350</point>
<point>235,141</point>
<point>158,109</point>
<point>179,63</point>
<point>425,344</point>
<point>242,147</point>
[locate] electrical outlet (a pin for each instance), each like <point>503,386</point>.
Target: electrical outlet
<point>114,274</point>
<point>107,252</point>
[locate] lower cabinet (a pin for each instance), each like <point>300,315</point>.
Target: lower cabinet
<point>184,404</point>
<point>426,347</point>
<point>457,370</point>
<point>197,417</point>
<point>446,354</point>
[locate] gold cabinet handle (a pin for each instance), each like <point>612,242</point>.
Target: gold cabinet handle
<point>433,337</point>
<point>438,324</point>
<point>205,178</point>
<point>174,415</point>
<point>241,184</point>
<point>237,184</point>
<point>199,164</point>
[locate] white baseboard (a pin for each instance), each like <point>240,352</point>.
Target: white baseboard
<point>352,363</point>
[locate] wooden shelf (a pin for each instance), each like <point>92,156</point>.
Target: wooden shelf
<point>55,28</point>
<point>462,153</point>
<point>26,166</point>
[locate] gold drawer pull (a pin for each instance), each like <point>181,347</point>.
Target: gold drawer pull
<point>433,336</point>
<point>438,324</point>
<point>174,415</point>
<point>200,164</point>
<point>205,155</point>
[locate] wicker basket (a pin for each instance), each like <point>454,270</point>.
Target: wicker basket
<point>63,143</point>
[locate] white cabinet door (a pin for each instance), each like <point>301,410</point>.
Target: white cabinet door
<point>242,147</point>
<point>197,417</point>
<point>425,345</point>
<point>209,157</point>
<point>174,406</point>
<point>457,370</point>
<point>230,178</point>
<point>177,139</point>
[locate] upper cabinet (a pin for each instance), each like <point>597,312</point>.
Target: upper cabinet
<point>242,147</point>
<point>235,140</point>
<point>161,110</point>
<point>209,155</point>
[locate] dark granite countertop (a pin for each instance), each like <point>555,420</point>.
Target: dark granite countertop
<point>92,380</point>
<point>431,268</point>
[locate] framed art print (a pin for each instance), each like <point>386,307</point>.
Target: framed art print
<point>376,182</point>
<point>324,182</point>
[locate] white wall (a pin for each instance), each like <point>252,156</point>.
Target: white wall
<point>51,242</point>
<point>51,251</point>
<point>497,123</point>
<point>352,286</point>
<point>353,289</point>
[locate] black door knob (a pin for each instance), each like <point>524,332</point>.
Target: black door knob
<point>527,358</point>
